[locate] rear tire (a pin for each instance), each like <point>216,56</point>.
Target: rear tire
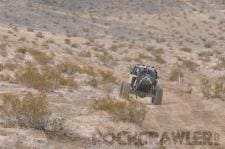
<point>157,99</point>
<point>124,90</point>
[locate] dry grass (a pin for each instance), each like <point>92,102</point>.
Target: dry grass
<point>39,35</point>
<point>221,64</point>
<point>186,50</point>
<point>85,54</point>
<point>128,111</point>
<point>67,41</point>
<point>4,77</point>
<point>22,50</point>
<point>106,58</point>
<point>192,66</point>
<point>45,79</point>
<point>107,76</point>
<point>41,57</point>
<point>205,55</point>
<point>1,67</point>
<point>93,82</point>
<point>212,88</point>
<point>28,111</point>
<point>68,67</point>
<point>157,53</point>
<point>71,68</point>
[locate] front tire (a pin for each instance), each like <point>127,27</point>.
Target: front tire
<point>157,99</point>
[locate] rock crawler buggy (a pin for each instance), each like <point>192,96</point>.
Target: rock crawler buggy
<point>143,84</point>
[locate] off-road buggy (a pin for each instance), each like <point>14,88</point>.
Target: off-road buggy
<point>143,84</point>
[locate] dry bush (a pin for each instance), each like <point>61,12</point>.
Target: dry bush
<point>107,76</point>
<point>67,41</point>
<point>209,44</point>
<point>89,70</point>
<point>71,68</point>
<point>93,82</point>
<point>144,56</point>
<point>45,79</point>
<point>221,64</point>
<point>68,67</point>
<point>150,48</point>
<point>212,88</point>
<point>192,66</point>
<point>4,77</point>
<point>186,50</point>
<point>106,58</point>
<point>175,74</point>
<point>9,65</point>
<point>22,50</point>
<point>22,39</point>
<point>205,55</point>
<point>128,111</point>
<point>159,59</point>
<point>74,45</point>
<point>39,35</point>
<point>41,57</point>
<point>30,29</point>
<point>85,54</point>
<point>157,53</point>
<point>51,41</point>
<point>1,67</point>
<point>28,111</point>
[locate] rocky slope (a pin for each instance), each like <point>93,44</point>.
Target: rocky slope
<point>83,39</point>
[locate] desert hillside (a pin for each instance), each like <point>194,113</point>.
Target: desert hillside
<point>62,63</point>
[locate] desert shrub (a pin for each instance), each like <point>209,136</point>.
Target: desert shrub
<point>212,88</point>
<point>39,35</point>
<point>89,70</point>
<point>74,45</point>
<point>85,54</point>
<point>175,74</point>
<point>69,81</point>
<point>106,58</point>
<point>68,67</point>
<point>107,76</point>
<point>209,44</point>
<point>51,41</point>
<point>221,64</point>
<point>30,29</point>
<point>159,59</point>
<point>186,49</point>
<point>205,55</point>
<point>22,39</point>
<point>71,68</point>
<point>41,57</point>
<point>9,65</point>
<point>1,67</point>
<point>192,66</point>
<point>157,53</point>
<point>67,41</point>
<point>22,50</point>
<point>128,111</point>
<point>28,111</point>
<point>45,79</point>
<point>150,48</point>
<point>144,56</point>
<point>93,82</point>
<point>4,77</point>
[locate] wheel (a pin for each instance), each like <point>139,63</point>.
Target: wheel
<point>157,99</point>
<point>124,90</point>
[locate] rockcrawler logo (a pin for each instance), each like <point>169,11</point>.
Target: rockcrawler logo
<point>154,138</point>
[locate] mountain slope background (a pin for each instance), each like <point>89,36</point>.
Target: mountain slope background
<point>84,49</point>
